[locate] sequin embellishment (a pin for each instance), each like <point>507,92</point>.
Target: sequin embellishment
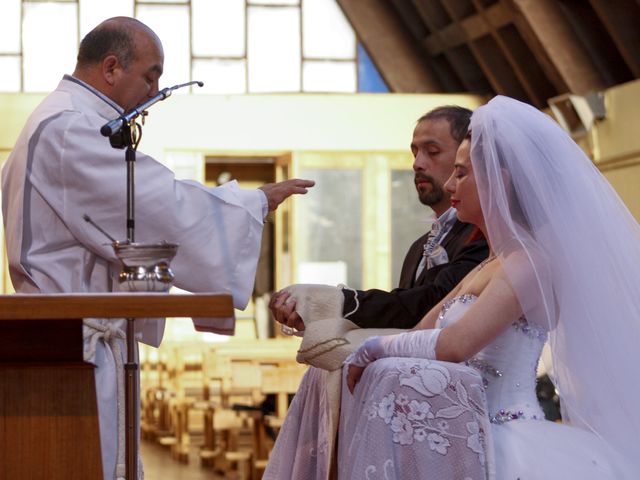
<point>504,416</point>
<point>532,331</point>
<point>484,368</point>
<point>449,303</point>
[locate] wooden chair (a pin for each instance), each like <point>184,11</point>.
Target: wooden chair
<point>245,373</point>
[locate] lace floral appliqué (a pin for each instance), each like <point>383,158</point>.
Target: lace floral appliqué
<point>419,420</point>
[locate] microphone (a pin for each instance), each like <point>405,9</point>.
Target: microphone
<point>114,126</point>
<point>196,82</point>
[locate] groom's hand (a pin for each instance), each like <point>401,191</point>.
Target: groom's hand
<point>283,309</point>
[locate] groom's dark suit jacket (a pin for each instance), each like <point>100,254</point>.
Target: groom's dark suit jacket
<point>405,306</point>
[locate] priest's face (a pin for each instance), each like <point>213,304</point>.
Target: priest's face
<point>434,152</point>
<point>139,80</point>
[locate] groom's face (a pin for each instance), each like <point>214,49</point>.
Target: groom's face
<point>434,152</point>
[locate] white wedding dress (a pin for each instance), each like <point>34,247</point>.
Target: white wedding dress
<point>413,418</point>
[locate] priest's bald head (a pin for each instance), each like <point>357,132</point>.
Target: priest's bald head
<point>123,59</point>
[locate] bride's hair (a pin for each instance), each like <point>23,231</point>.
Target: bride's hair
<point>503,152</point>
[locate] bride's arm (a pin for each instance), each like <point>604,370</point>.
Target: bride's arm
<point>496,308</point>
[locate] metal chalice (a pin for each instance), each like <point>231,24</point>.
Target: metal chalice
<point>146,266</point>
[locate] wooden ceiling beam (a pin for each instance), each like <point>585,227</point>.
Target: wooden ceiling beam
<point>432,13</point>
<point>505,18</point>
<point>470,28</point>
<point>434,16</point>
<point>554,44</point>
<point>497,14</point>
<point>434,45</point>
<point>468,70</point>
<point>460,9</point>
<point>452,36</point>
<point>499,83</point>
<point>620,18</point>
<point>409,17</point>
<point>397,55</point>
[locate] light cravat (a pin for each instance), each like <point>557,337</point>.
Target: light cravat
<point>433,239</point>
<point>440,228</point>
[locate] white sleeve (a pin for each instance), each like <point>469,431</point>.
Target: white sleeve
<point>219,230</point>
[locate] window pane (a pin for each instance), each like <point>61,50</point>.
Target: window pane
<point>218,27</point>
<point>369,79</point>
<point>10,78</point>
<point>171,24</point>
<point>408,219</point>
<point>220,76</point>
<point>329,76</point>
<point>326,31</point>
<point>330,231</point>
<point>10,27</point>
<point>50,48</point>
<point>274,49</point>
<point>92,13</point>
<point>273,2</point>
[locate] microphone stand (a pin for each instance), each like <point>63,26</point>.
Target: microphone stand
<point>125,132</point>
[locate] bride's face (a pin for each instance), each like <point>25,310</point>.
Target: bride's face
<point>462,187</point>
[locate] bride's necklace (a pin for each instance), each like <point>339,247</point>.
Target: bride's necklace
<point>486,261</point>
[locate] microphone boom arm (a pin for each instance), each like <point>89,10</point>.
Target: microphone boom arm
<point>114,126</point>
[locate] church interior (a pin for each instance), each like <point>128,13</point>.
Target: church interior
<point>328,90</point>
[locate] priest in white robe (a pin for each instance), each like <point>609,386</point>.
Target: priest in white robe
<point>62,168</point>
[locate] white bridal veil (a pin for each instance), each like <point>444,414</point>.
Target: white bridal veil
<point>572,251</point>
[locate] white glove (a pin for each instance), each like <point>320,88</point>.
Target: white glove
<point>415,343</point>
<point>316,302</point>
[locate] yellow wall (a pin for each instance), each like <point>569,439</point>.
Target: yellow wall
<point>615,142</point>
<point>266,123</point>
<point>273,124</point>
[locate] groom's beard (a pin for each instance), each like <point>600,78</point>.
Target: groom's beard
<point>431,193</point>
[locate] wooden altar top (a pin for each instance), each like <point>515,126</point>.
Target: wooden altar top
<point>114,305</point>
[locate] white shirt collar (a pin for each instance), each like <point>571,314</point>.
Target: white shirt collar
<point>448,218</point>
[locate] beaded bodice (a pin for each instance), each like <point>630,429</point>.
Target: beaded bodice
<point>507,365</point>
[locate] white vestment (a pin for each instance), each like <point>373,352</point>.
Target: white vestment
<point>62,168</point>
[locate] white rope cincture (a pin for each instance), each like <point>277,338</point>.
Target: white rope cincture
<point>110,334</point>
<point>355,299</point>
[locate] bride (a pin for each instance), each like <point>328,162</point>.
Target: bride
<point>563,267</point>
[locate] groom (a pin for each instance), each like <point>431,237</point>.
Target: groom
<point>438,260</point>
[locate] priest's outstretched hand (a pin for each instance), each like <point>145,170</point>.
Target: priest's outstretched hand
<point>277,193</point>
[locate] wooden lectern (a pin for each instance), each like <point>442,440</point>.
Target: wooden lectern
<point>48,410</point>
